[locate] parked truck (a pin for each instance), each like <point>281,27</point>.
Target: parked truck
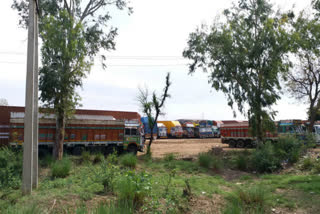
<point>162,130</point>
<point>188,129</point>
<point>237,135</point>
<point>147,129</point>
<point>174,128</point>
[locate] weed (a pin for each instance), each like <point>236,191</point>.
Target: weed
<point>307,164</point>
<point>46,161</point>
<point>10,168</point>
<point>205,160</point>
<point>316,168</point>
<point>85,157</point>
<point>128,160</point>
<point>288,149</point>
<point>252,200</point>
<point>242,162</point>
<point>120,207</point>
<point>169,157</point>
<point>61,168</point>
<point>264,159</point>
<point>133,187</point>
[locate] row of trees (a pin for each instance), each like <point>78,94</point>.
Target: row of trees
<point>252,50</point>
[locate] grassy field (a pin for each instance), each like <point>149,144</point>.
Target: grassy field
<point>211,183</point>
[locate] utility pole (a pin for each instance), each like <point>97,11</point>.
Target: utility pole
<point>30,145</point>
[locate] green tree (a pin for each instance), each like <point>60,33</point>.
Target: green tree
<point>152,108</point>
<point>303,80</point>
<point>244,55</point>
<point>73,32</point>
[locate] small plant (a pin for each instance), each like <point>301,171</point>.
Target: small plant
<point>252,200</point>
<point>10,168</point>
<point>85,157</point>
<point>61,168</point>
<point>205,160</point>
<point>121,207</point>
<point>133,187</point>
<point>128,160</point>
<point>241,162</point>
<point>46,161</point>
<point>307,164</point>
<point>169,157</point>
<point>288,149</point>
<point>316,167</point>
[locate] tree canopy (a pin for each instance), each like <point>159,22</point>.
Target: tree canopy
<point>244,56</point>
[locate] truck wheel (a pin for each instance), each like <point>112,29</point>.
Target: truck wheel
<point>232,144</point>
<point>240,144</point>
<point>132,149</point>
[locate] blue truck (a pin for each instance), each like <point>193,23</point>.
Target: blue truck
<point>147,130</point>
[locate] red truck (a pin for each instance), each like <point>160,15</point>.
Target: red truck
<point>237,135</point>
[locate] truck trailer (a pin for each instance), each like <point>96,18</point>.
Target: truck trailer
<point>147,129</point>
<point>174,128</point>
<point>84,131</point>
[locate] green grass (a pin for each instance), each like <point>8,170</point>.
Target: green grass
<point>61,168</point>
<point>128,160</point>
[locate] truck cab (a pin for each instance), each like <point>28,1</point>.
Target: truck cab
<point>133,137</point>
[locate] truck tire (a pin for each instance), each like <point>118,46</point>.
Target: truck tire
<point>133,149</point>
<point>240,144</point>
<point>232,144</point>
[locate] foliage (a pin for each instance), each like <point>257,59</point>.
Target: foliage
<point>307,164</point>
<point>242,161</point>
<point>61,168</point>
<point>133,187</point>
<point>265,159</point>
<point>72,32</point>
<point>85,157</point>
<point>169,157</point>
<point>10,168</point>
<point>244,55</point>
<point>128,160</point>
<point>251,200</point>
<point>303,80</point>
<point>153,108</point>
<point>207,160</point>
<point>46,161</point>
<point>288,149</point>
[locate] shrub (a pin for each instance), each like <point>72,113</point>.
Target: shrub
<point>316,167</point>
<point>207,160</point>
<point>264,159</point>
<point>10,168</point>
<point>85,156</point>
<point>61,168</point>
<point>307,164</point>
<point>252,200</point>
<point>129,160</point>
<point>288,149</point>
<point>133,187</point>
<point>242,161</point>
<point>169,157</point>
<point>46,161</point>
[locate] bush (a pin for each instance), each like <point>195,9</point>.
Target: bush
<point>241,162</point>
<point>61,168</point>
<point>252,200</point>
<point>169,157</point>
<point>10,168</point>
<point>129,160</point>
<point>133,187</point>
<point>207,160</point>
<point>288,149</point>
<point>316,167</point>
<point>85,156</point>
<point>46,161</point>
<point>265,159</point>
<point>307,164</point>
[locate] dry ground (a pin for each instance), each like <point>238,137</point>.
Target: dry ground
<point>184,147</point>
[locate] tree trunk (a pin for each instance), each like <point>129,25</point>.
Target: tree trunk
<point>150,142</point>
<point>313,113</point>
<point>58,146</point>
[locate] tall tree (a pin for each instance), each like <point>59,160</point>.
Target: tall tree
<point>73,32</point>
<point>153,107</point>
<point>304,77</point>
<point>244,56</point>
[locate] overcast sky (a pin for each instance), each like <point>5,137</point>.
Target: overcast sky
<point>150,44</point>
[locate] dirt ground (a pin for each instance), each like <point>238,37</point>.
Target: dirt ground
<point>184,147</point>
